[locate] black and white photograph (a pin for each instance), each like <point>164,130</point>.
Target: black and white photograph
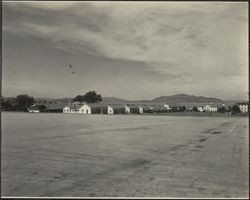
<point>125,99</point>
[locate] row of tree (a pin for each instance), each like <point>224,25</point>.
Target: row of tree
<point>19,103</point>
<point>23,102</point>
<point>89,97</point>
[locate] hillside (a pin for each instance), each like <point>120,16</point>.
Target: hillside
<point>181,98</point>
<point>113,99</point>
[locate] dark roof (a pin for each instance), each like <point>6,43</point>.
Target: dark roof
<point>130,106</point>
<point>78,103</point>
<point>145,106</point>
<point>97,105</point>
<point>75,106</point>
<point>117,106</point>
<point>34,107</point>
<point>242,103</point>
<point>53,106</point>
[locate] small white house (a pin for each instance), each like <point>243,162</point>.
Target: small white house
<point>85,109</point>
<point>243,107</point>
<point>66,109</point>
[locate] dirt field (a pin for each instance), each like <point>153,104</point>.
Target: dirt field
<point>108,156</point>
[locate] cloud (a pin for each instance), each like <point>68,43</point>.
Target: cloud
<point>185,41</point>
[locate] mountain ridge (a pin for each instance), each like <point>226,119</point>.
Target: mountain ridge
<point>186,98</point>
<point>178,98</point>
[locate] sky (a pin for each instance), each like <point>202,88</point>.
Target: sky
<point>130,50</point>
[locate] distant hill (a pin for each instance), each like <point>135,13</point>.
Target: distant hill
<point>113,99</point>
<point>59,100</point>
<point>178,99</point>
<point>184,98</point>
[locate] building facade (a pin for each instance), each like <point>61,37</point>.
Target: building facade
<point>208,108</point>
<point>73,109</point>
<point>166,107</point>
<point>145,109</point>
<point>132,109</point>
<point>116,109</point>
<point>243,107</point>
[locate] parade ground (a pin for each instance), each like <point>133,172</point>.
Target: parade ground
<point>72,155</point>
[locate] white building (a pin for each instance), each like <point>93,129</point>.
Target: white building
<point>208,108</point>
<point>73,109</point>
<point>66,109</point>
<point>85,109</point>
<point>33,109</point>
<point>243,107</point>
<point>213,109</point>
<point>116,109</point>
<point>200,108</point>
<point>94,108</point>
<point>145,109</point>
<point>166,106</point>
<point>157,108</point>
<point>129,109</point>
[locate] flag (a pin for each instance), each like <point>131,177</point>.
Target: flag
<point>71,68</point>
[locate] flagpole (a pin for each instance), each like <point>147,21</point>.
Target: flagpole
<point>72,71</point>
<point>70,91</point>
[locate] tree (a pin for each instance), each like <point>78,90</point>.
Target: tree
<point>9,103</point>
<point>42,108</point>
<point>222,109</point>
<point>182,108</point>
<point>24,101</point>
<point>6,104</point>
<point>89,97</point>
<point>195,109</point>
<point>235,109</point>
<point>78,98</point>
